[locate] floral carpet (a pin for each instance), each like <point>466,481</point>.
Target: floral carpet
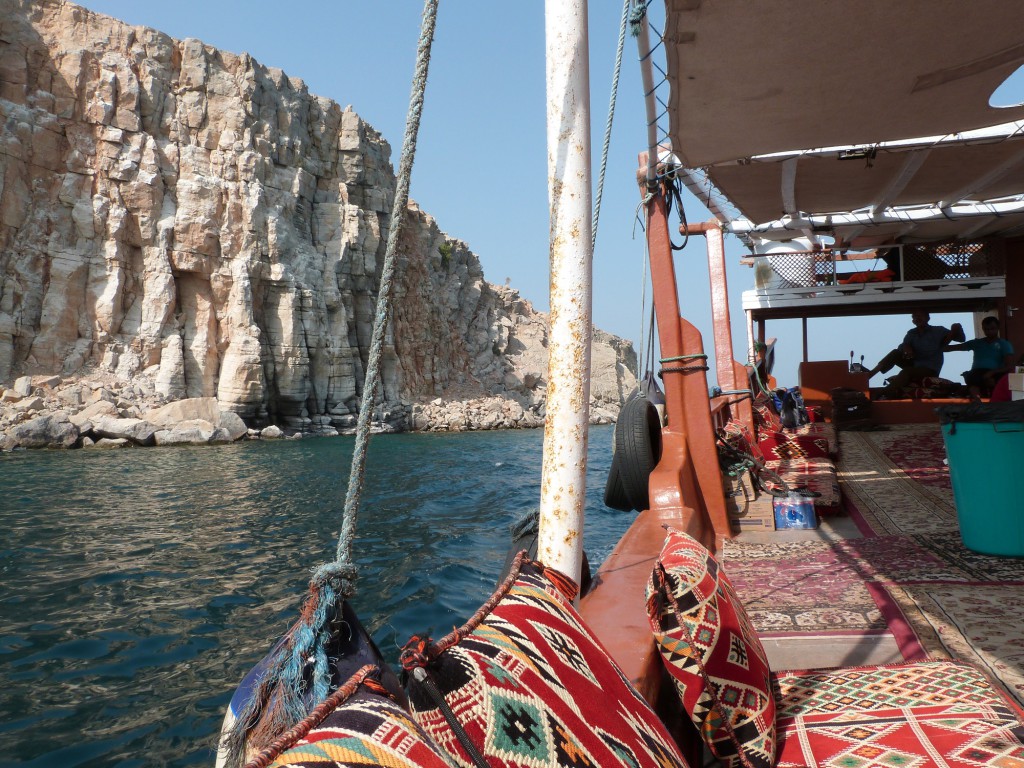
<point>806,586</point>
<point>909,576</point>
<point>918,450</point>
<point>887,498</point>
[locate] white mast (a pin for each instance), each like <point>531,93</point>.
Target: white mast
<point>563,477</point>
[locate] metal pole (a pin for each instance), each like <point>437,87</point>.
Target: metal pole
<point>643,47</point>
<point>563,476</point>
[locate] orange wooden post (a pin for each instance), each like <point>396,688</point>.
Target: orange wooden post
<point>688,477</point>
<point>732,375</point>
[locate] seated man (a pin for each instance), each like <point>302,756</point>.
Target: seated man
<point>919,356</point>
<point>993,357</point>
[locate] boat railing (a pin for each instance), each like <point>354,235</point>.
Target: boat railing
<point>892,274</point>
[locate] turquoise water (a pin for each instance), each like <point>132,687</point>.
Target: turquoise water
<point>138,586</point>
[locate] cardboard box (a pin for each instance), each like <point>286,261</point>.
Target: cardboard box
<point>1016,394</point>
<point>1017,382</point>
<point>794,513</point>
<point>748,509</point>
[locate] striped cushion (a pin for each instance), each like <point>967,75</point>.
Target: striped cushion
<point>365,728</point>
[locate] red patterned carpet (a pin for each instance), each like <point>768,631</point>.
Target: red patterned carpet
<point>803,586</point>
<point>909,576</point>
<point>918,450</point>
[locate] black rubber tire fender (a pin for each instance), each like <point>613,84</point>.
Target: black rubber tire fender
<point>637,449</point>
<point>614,494</point>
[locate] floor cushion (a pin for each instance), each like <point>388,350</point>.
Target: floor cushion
<point>817,475</point>
<point>530,685</point>
<point>713,654</point>
<point>358,725</point>
<point>932,713</point>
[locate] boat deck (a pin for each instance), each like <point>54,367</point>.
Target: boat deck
<point>885,579</point>
<point>888,578</point>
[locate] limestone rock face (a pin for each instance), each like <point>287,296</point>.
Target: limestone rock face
<point>191,217</point>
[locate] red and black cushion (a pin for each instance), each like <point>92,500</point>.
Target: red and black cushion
<point>530,686</point>
<point>932,713</point>
<point>712,653</point>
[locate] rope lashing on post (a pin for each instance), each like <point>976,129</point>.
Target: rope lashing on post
<point>721,392</point>
<point>636,16</point>
<point>298,676</point>
<point>684,368</point>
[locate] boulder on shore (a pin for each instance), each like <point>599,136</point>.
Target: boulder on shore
<point>53,430</point>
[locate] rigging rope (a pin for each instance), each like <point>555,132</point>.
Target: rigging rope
<point>343,555</point>
<point>281,698</point>
<point>608,125</point>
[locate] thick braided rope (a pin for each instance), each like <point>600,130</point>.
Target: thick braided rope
<point>611,117</point>
<point>280,701</point>
<point>412,125</point>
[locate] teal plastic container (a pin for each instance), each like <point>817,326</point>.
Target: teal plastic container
<point>985,447</point>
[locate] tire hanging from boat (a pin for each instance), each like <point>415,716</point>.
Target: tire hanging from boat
<point>614,494</point>
<point>636,453</point>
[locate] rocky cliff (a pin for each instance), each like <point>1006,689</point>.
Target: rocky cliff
<point>194,221</point>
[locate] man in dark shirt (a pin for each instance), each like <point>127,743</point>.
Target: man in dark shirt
<point>919,356</point>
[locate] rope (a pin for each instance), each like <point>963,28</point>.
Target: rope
<point>637,17</point>
<point>283,696</point>
<point>760,384</point>
<point>684,369</point>
<point>355,481</point>
<point>644,359</point>
<point>608,124</point>
<point>677,358</point>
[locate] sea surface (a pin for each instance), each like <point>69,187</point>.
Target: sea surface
<point>137,587</point>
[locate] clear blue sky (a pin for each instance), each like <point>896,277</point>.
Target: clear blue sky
<point>480,163</point>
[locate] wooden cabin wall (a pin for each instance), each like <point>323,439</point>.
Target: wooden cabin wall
<point>1011,309</point>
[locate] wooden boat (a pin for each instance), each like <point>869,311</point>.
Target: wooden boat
<point>818,135</point>
<point>860,153</point>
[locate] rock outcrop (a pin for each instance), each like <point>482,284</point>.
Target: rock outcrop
<point>107,412</point>
<point>201,226</point>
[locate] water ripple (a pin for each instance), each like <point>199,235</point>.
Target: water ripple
<point>137,587</point>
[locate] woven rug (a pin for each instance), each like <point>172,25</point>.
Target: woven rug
<point>888,499</point>
<point>801,587</point>
<point>918,450</point>
<point>814,586</point>
<point>953,603</point>
<point>979,623</point>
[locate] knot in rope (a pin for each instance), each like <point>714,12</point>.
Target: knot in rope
<point>636,17</point>
<point>414,654</point>
<point>340,577</point>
